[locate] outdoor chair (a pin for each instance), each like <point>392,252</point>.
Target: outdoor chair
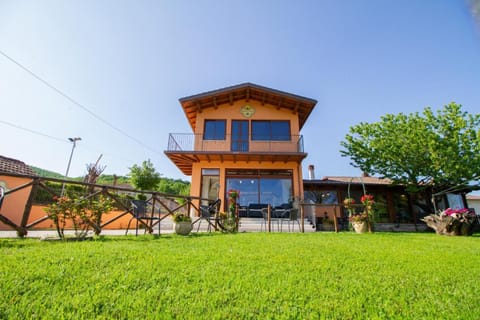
<point>292,218</point>
<point>209,213</point>
<point>141,214</point>
<point>273,218</point>
<point>255,210</point>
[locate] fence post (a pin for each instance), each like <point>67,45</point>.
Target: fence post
<point>22,230</point>
<point>302,217</point>
<point>269,216</point>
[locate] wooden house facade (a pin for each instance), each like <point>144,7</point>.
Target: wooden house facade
<point>247,138</point>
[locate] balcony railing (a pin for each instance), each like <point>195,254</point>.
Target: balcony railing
<point>196,143</point>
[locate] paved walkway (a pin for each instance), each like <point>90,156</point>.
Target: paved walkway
<point>246,225</point>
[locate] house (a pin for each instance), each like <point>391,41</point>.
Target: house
<point>474,203</point>
<point>392,203</point>
<point>13,174</point>
<point>244,137</point>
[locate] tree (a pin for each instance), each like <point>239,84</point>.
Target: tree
<point>94,170</point>
<point>438,150</point>
<point>144,177</point>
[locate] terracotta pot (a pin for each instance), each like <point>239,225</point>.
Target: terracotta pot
<point>183,228</point>
<point>360,227</point>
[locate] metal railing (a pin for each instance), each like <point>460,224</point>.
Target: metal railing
<point>196,142</point>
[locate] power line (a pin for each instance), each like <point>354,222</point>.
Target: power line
<point>33,131</point>
<point>78,104</point>
<point>60,139</point>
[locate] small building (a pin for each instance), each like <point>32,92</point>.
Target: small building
<point>474,203</point>
<point>245,137</point>
<point>392,203</point>
<point>13,174</point>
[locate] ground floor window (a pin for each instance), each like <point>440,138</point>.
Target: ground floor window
<point>273,187</point>
<point>210,185</point>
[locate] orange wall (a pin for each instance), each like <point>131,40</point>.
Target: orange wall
<point>14,203</point>
<point>265,112</point>
<point>39,212</point>
<point>232,112</point>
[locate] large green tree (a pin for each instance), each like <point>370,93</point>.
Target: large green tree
<point>144,177</point>
<point>439,149</point>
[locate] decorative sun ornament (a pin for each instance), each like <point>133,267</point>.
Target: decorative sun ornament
<point>247,111</point>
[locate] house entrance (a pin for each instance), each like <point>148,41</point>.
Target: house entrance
<point>260,188</point>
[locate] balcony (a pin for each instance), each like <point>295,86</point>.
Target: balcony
<point>195,142</point>
<point>185,149</point>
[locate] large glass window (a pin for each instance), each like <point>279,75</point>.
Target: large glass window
<point>321,196</point>
<point>272,187</point>
<point>270,130</point>
<point>214,130</point>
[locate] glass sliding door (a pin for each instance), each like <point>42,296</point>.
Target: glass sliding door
<point>240,135</point>
<point>275,191</point>
<point>273,187</point>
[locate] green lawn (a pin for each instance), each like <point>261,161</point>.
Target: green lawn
<point>243,276</point>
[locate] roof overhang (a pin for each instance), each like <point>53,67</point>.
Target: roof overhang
<point>247,91</point>
<point>184,160</point>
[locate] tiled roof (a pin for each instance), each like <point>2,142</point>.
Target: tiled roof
<point>350,180</point>
<point>9,165</point>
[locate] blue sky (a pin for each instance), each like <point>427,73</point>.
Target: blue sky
<point>129,62</point>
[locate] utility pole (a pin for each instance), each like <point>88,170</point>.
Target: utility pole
<point>74,141</point>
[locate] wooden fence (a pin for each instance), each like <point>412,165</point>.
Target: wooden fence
<point>122,198</point>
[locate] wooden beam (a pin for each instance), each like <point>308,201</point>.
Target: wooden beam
<point>230,98</point>
<point>247,94</point>
<point>295,110</point>
<point>22,231</point>
<point>215,103</point>
<point>199,106</point>
<point>264,97</point>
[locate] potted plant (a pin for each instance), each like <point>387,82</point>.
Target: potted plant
<point>359,222</point>
<point>229,220</point>
<point>182,224</point>
<point>328,224</point>
<point>368,202</point>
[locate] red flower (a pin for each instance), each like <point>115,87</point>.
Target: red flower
<point>233,193</point>
<point>367,199</point>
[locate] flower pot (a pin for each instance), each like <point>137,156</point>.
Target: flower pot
<point>183,227</point>
<point>360,227</point>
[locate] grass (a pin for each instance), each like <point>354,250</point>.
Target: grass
<point>243,276</point>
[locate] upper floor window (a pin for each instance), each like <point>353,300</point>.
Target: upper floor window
<point>271,130</point>
<point>214,130</point>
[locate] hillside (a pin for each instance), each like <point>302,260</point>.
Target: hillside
<point>167,185</point>
<point>46,173</point>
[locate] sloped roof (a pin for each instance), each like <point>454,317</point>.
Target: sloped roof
<point>9,165</point>
<point>196,103</point>
<point>351,180</point>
